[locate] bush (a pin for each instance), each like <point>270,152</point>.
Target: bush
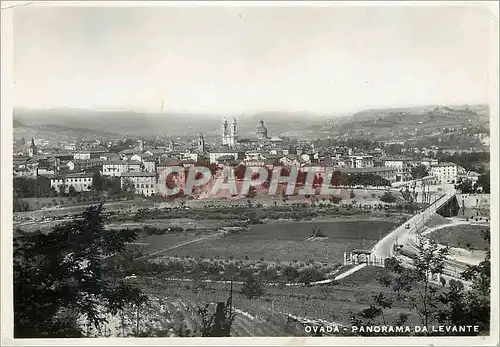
<point>335,199</point>
<point>388,198</point>
<point>252,288</point>
<point>309,275</point>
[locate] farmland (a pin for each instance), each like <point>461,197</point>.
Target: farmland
<point>288,241</point>
<point>266,316</point>
<point>172,309</point>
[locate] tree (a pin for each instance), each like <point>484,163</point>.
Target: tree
<point>484,182</point>
<point>217,324</point>
<point>62,190</point>
<point>63,272</point>
<point>465,187</point>
<point>470,307</point>
<point>388,198</point>
<point>31,188</point>
<point>309,275</point>
<point>20,205</point>
<point>252,288</point>
<point>71,191</point>
<point>97,182</point>
<point>412,284</point>
<point>128,186</point>
<point>252,191</point>
<point>419,171</point>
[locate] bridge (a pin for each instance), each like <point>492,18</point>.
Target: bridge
<point>404,235</point>
<point>401,235</point>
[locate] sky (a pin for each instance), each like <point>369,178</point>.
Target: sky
<point>229,59</point>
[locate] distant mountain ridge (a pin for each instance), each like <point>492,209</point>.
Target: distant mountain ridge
<point>384,121</point>
<point>56,131</point>
<point>170,124</point>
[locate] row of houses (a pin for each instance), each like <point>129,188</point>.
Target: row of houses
<point>141,167</point>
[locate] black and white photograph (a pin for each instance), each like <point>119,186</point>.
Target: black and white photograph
<point>309,171</point>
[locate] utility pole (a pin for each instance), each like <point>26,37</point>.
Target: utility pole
<point>231,300</point>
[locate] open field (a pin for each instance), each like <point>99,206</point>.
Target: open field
<point>335,302</point>
<point>287,241</point>
<point>462,236</point>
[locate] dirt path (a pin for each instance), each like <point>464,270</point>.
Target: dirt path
<point>179,245</point>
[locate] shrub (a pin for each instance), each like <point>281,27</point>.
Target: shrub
<point>252,288</point>
<point>388,198</point>
<point>309,275</point>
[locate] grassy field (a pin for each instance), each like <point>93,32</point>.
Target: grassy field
<point>462,236</point>
<point>287,241</point>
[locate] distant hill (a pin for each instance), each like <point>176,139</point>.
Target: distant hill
<point>169,124</point>
<point>55,131</point>
<point>380,123</point>
<point>17,124</point>
<point>436,110</point>
<point>409,120</point>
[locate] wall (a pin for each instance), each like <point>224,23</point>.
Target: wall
<point>473,200</point>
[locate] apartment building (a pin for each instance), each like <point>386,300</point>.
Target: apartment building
<point>144,182</point>
<point>82,182</point>
<point>116,168</point>
<point>445,172</point>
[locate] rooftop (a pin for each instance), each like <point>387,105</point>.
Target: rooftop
<point>445,165</point>
<point>400,158</point>
<point>79,174</point>
<point>367,169</point>
<point>121,162</point>
<point>139,174</point>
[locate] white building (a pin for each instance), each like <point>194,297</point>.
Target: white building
<point>82,182</point>
<point>290,160</point>
<point>143,182</point>
<point>360,161</point>
<point>402,165</point>
<point>149,164</point>
<point>190,156</point>
<point>445,172</point>
<point>237,155</point>
<point>44,172</point>
<point>82,155</point>
<point>116,168</point>
<point>429,162</point>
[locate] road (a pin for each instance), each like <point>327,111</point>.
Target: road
<point>405,233</point>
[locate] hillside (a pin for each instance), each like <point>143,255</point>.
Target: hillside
<point>17,124</point>
<point>411,121</point>
<point>55,132</point>
<point>380,124</point>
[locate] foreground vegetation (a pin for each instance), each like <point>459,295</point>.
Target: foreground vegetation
<point>72,279</point>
